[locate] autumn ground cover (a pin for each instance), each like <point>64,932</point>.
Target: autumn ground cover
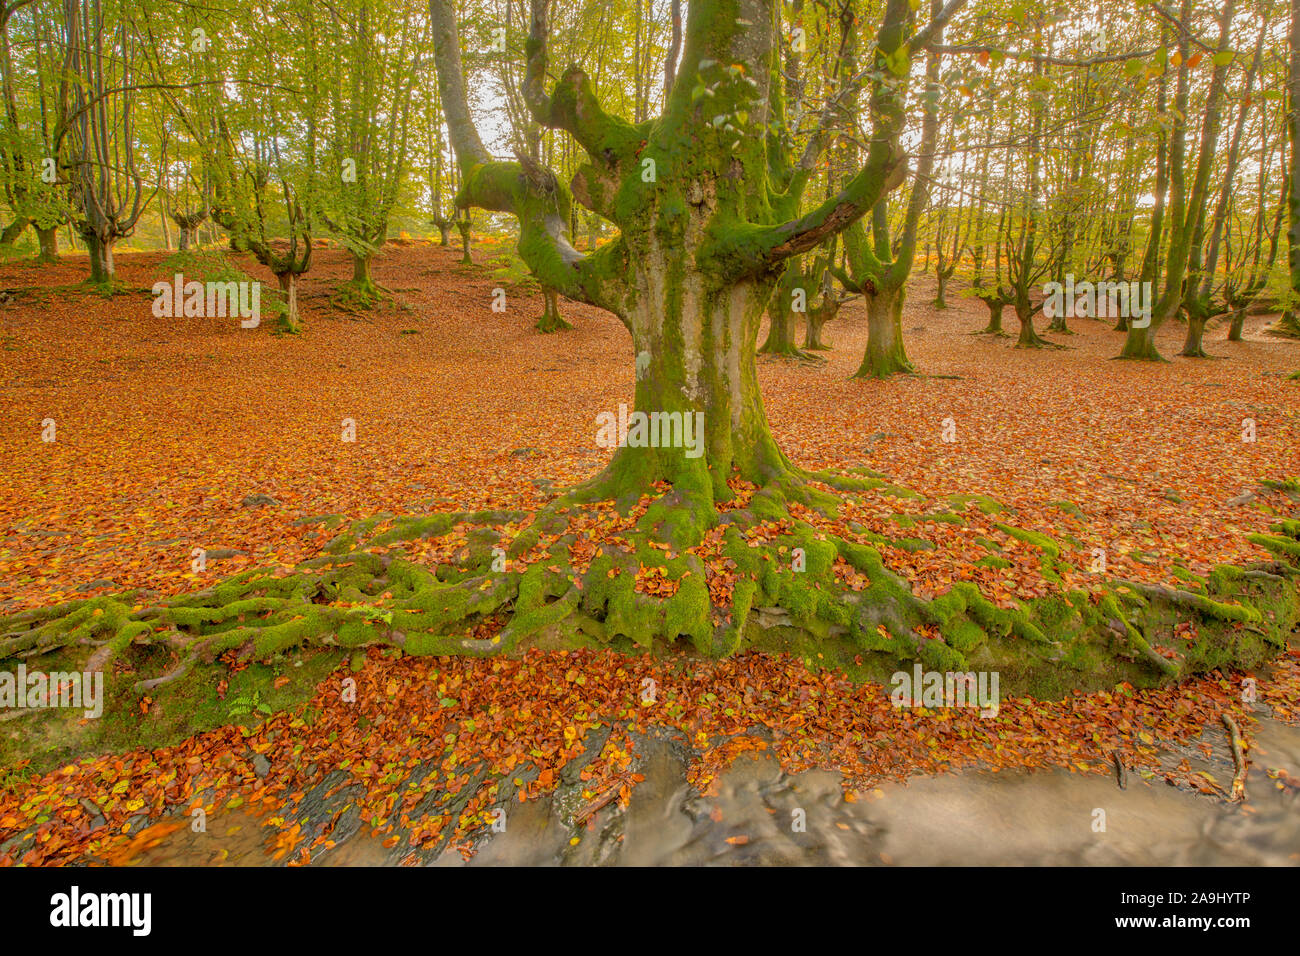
<point>177,434</point>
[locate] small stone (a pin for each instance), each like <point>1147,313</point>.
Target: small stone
<point>261,766</point>
<point>259,501</point>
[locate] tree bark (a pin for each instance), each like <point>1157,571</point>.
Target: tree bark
<point>289,286</point>
<point>885,353</point>
<point>49,244</point>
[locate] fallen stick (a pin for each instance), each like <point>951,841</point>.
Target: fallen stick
<point>1238,759</point>
<point>616,784</point>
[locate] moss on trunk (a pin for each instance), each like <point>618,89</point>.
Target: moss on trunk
<point>885,355</point>
<point>550,320</point>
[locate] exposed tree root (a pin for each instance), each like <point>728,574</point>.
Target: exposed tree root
<point>359,295</point>
<point>768,568</point>
<point>1287,326</point>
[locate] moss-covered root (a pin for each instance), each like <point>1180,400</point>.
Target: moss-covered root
<point>755,575</point>
<point>359,295</point>
<point>1287,326</point>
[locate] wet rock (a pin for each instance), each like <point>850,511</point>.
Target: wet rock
<point>97,819</point>
<point>261,766</point>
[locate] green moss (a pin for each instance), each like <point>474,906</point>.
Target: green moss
<point>1039,540</point>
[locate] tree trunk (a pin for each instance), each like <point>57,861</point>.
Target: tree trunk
<point>1289,324</point>
<point>700,341</point>
<point>183,242</point>
<point>362,291</point>
<point>100,253</point>
<point>817,319</point>
<point>1237,324</point>
<point>781,315</point>
<point>941,296</point>
<point>463,226</point>
<point>289,286</point>
<point>995,307</point>
<point>1141,344</point>
<point>1192,345</point>
<point>12,231</point>
<point>1028,338</point>
<point>551,320</point>
<point>49,244</point>
<point>444,234</point>
<point>885,352</point>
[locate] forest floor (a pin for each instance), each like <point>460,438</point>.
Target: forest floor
<point>168,427</point>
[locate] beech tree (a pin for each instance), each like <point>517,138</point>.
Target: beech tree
<point>101,52</point>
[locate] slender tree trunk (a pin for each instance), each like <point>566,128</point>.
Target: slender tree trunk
<point>551,320</point>
<point>1289,323</point>
<point>463,227</point>
<point>941,296</point>
<point>289,286</point>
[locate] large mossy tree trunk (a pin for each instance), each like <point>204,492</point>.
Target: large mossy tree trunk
<point>699,254</point>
